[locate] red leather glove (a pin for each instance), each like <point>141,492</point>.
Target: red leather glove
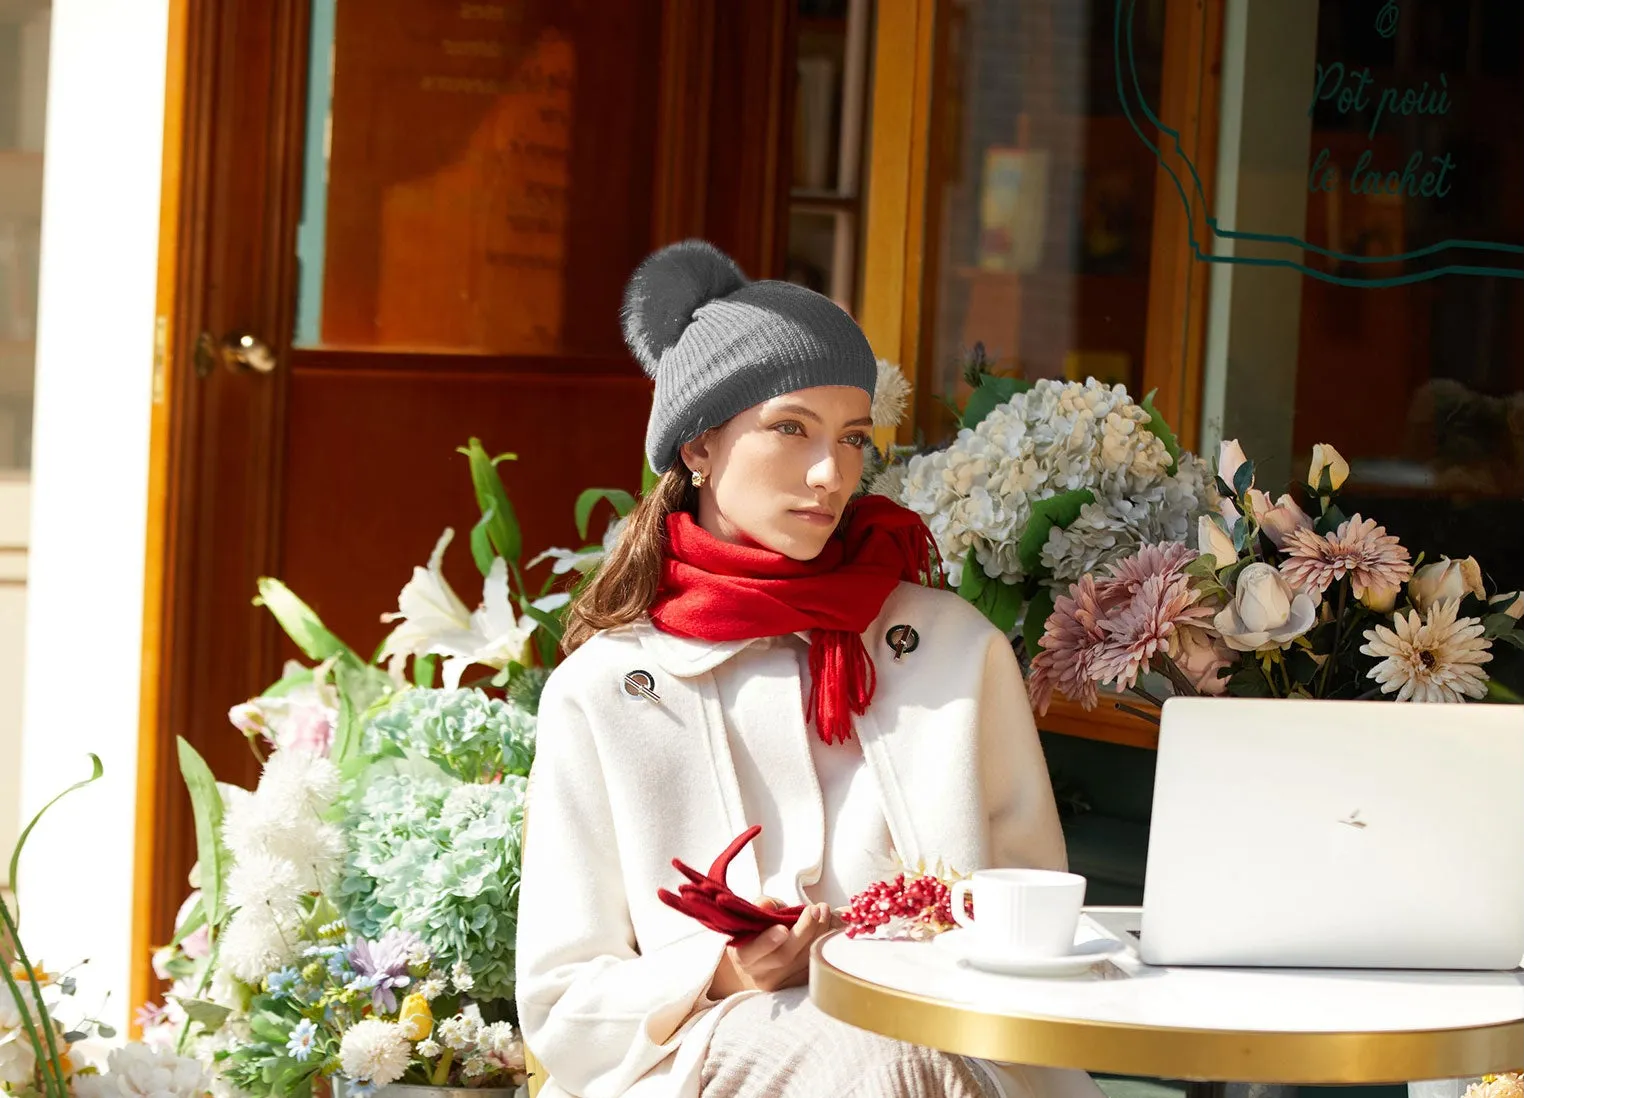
<point>705,897</point>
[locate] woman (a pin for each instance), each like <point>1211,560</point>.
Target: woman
<point>732,664</point>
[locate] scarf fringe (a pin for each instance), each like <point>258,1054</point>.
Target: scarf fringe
<point>844,681</point>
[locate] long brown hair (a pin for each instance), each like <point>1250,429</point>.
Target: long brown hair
<point>625,585</point>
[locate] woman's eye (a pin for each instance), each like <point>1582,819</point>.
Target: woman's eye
<point>789,429</point>
<point>861,441</point>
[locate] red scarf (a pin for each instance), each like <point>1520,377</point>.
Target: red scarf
<point>716,591</point>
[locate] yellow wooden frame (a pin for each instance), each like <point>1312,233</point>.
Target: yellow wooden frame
<point>897,278</point>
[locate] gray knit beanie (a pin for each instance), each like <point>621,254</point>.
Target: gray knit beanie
<point>716,343</point>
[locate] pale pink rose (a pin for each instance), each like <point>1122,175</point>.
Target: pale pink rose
<point>1230,460</point>
<point>1445,579</point>
<point>1201,657</point>
<point>1278,519</point>
<point>306,728</point>
<point>1211,538</point>
<point>198,944</point>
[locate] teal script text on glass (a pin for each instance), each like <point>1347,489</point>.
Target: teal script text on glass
<point>1354,92</point>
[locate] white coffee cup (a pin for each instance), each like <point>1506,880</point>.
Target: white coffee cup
<point>1024,912</point>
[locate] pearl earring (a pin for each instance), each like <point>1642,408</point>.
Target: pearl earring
<point>698,478</point>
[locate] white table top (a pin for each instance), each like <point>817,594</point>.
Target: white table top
<point>1284,1004</point>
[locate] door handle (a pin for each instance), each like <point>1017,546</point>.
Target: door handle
<point>238,352</point>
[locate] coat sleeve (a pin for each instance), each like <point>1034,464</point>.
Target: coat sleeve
<point>1018,794</point>
<point>596,1012</point>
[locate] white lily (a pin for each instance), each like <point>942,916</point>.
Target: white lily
<point>434,621</point>
<point>583,560</point>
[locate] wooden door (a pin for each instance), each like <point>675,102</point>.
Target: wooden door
<point>425,211</point>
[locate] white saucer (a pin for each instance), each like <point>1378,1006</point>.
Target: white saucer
<point>962,945</point>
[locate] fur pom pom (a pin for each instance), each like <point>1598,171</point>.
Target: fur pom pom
<point>664,292</point>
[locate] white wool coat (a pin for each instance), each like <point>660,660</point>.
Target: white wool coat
<point>611,983</point>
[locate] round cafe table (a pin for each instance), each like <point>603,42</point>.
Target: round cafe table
<point>1123,1017</point>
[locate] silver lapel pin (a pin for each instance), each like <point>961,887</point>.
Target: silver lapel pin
<point>639,684</point>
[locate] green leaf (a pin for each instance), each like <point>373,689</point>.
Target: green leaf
<point>1035,618</point>
<point>548,619</point>
<point>423,670</point>
<point>302,624</point>
<point>1331,520</point>
<point>17,851</point>
<point>1060,510</point>
<point>346,737</point>
<point>972,578</point>
<point>1242,536</point>
<point>622,502</point>
<point>1300,667</point>
<point>1502,694</point>
<point>1244,479</point>
<point>1248,682</point>
<point>196,920</point>
<point>208,1014</point>
<point>992,390</point>
<point>1158,427</point>
<point>1000,603</point>
<point>1224,489</point>
<point>1495,626</point>
<point>1203,567</point>
<point>480,545</point>
<point>208,811</point>
<point>648,477</point>
<point>502,529</point>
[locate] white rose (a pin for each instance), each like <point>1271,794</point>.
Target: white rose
<point>1446,579</point>
<point>1231,459</point>
<point>1323,456</point>
<point>1265,613</point>
<point>1211,538</point>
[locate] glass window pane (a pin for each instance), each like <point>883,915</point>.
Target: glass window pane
<point>24,37</point>
<point>460,172</point>
<point>1042,220</point>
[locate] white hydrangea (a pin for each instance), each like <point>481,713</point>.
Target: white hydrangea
<point>1056,437</point>
<point>138,1071</point>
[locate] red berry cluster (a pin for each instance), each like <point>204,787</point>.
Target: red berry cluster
<point>909,901</point>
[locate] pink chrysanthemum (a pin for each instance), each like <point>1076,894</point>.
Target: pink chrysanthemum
<point>1436,658</point>
<point>1158,558</point>
<point>1107,629</point>
<point>1146,627</point>
<point>1360,550</point>
<point>1071,639</point>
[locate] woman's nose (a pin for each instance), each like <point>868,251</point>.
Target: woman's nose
<point>825,474</point>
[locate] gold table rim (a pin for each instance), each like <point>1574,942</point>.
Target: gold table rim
<point>1169,1052</point>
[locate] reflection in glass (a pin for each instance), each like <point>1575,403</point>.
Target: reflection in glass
<point>24,35</point>
<point>1421,382</point>
<point>453,175</point>
<point>1043,215</point>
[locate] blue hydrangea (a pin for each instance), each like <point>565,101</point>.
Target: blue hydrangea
<point>441,859</point>
<point>469,735</point>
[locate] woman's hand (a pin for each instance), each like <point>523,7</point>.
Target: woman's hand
<point>777,959</point>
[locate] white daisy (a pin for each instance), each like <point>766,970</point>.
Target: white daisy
<point>1434,659</point>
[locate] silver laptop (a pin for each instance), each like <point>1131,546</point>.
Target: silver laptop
<point>1322,834</point>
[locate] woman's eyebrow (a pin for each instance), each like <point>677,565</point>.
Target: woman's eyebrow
<point>799,410</point>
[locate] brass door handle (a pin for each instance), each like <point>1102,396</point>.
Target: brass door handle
<point>238,352</point>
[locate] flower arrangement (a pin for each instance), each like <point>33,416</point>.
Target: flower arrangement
<point>354,913</point>
<point>1275,603</point>
<point>42,1055</point>
<point>1045,483</point>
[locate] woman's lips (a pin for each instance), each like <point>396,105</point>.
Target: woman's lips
<point>821,518</point>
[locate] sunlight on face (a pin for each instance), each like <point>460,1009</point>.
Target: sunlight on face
<point>781,473</point>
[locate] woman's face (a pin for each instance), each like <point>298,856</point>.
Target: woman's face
<point>779,474</point>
